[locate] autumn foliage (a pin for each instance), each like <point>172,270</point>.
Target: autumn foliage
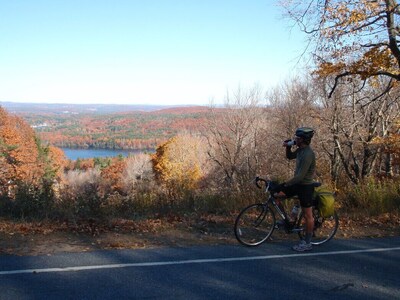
<point>177,164</point>
<point>351,38</point>
<point>19,151</point>
<point>22,157</point>
<point>113,176</point>
<point>208,169</point>
<point>129,130</point>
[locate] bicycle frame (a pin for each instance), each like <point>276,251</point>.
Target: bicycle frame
<point>277,208</point>
<point>289,228</point>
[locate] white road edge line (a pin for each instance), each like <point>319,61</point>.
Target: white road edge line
<point>191,261</point>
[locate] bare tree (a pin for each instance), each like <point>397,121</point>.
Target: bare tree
<point>233,135</point>
<point>291,105</point>
<point>138,170</point>
<point>355,121</point>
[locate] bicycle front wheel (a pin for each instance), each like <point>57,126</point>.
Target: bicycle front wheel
<point>254,224</point>
<point>324,228</point>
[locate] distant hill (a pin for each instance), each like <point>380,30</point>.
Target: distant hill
<point>109,126</point>
<point>64,108</point>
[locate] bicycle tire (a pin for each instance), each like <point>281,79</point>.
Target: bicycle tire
<point>324,228</point>
<point>254,224</point>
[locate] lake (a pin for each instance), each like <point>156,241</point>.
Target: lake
<point>74,154</point>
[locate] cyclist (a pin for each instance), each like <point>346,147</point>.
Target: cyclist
<point>301,183</point>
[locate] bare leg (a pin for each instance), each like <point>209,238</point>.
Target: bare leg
<point>309,222</point>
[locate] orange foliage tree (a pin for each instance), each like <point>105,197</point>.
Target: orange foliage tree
<point>22,158</point>
<point>351,37</point>
<point>56,161</point>
<point>178,164</point>
<point>112,176</point>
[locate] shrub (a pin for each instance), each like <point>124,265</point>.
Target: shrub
<point>372,196</point>
<point>33,200</point>
<point>80,196</point>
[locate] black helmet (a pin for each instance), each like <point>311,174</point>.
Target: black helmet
<point>305,132</point>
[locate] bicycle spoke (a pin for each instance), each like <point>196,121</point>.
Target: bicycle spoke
<point>324,228</point>
<point>254,225</point>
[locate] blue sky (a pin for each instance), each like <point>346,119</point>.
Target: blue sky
<point>142,52</point>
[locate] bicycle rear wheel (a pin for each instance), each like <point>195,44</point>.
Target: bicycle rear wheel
<point>254,224</point>
<point>324,228</point>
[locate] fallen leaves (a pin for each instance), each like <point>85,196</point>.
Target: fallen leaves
<point>387,224</point>
<point>30,238</point>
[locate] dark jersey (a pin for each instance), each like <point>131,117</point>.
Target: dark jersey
<point>305,165</point>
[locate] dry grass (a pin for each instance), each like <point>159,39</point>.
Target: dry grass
<point>46,238</point>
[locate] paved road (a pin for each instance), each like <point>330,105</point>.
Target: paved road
<point>341,269</point>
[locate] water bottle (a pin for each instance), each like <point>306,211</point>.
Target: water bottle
<point>295,211</point>
<point>289,143</point>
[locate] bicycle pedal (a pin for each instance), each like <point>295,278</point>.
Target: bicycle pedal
<point>291,225</point>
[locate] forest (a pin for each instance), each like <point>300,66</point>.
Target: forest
<point>208,166</point>
<point>138,130</point>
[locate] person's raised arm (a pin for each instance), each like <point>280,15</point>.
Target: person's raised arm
<point>289,154</point>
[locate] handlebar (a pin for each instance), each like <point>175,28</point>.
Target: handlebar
<point>269,183</point>
<point>258,179</point>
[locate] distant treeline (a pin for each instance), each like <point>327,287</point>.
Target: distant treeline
<point>129,130</point>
